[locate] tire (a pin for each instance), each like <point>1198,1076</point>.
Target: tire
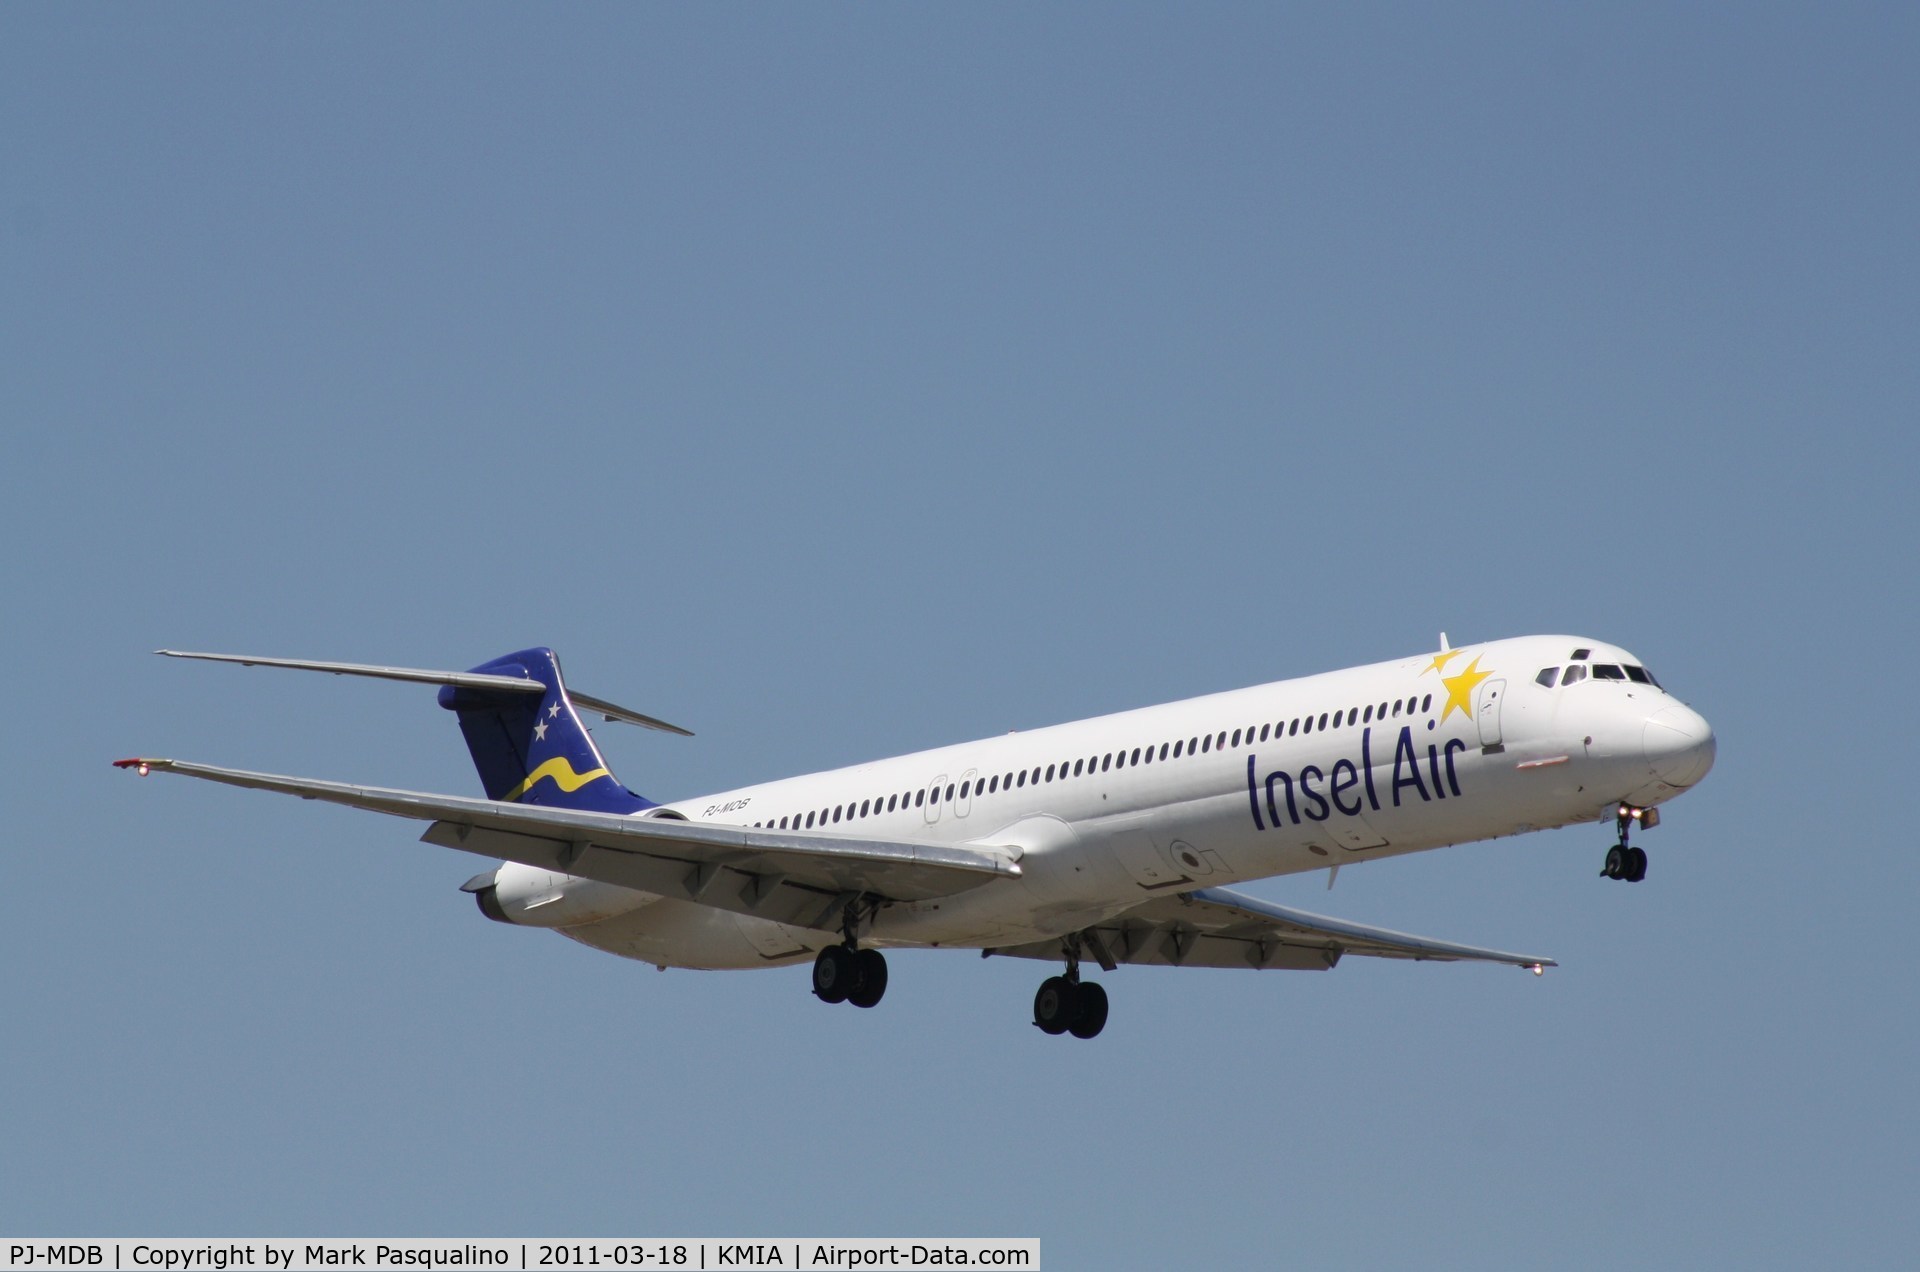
<point>1054,1006</point>
<point>872,968</point>
<point>1616,862</point>
<point>834,974</point>
<point>1092,1016</point>
<point>1636,864</point>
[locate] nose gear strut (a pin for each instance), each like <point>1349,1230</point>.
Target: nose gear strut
<point>1624,861</point>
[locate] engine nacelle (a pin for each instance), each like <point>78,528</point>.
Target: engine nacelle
<point>529,896</point>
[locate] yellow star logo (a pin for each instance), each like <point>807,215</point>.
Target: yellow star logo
<point>1441,660</point>
<point>1460,690</point>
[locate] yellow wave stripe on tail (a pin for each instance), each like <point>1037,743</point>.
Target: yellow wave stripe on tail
<point>562,774</point>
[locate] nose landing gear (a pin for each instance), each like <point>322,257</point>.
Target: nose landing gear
<point>1623,860</point>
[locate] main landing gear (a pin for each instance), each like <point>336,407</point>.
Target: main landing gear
<point>845,973</point>
<point>1067,1004</point>
<point>1623,861</point>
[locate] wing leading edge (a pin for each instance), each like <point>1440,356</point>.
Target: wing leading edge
<point>794,877</point>
<point>1215,927</point>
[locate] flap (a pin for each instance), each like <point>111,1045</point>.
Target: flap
<point>1214,927</point>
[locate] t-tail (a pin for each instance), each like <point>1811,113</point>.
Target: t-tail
<point>534,750</point>
<point>522,726</point>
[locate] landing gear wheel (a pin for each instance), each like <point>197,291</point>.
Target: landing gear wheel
<point>836,974</point>
<point>1636,865</point>
<point>1092,1016</point>
<point>1056,1005</point>
<point>871,966</point>
<point>1616,867</point>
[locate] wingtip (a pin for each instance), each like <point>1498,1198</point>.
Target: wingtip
<point>139,764</point>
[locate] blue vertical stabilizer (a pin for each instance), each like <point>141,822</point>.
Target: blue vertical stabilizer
<point>535,750</point>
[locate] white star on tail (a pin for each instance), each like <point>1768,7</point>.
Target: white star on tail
<point>540,731</point>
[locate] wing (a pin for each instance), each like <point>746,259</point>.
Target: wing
<point>1214,927</point>
<point>798,877</point>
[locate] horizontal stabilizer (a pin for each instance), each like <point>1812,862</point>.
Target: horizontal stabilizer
<point>458,679</point>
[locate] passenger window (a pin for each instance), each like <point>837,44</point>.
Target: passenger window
<point>1078,765</point>
<point>1323,721</point>
<point>963,788</point>
<point>1547,677</point>
<point>1575,674</point>
<point>1206,743</point>
<point>1607,671</point>
<point>1221,741</point>
<point>1426,703</point>
<point>919,799</point>
<point>950,790</point>
<point>1049,772</point>
<point>1396,707</point>
<point>893,802</point>
<point>1336,719</point>
<point>1136,755</point>
<point>1308,728</point>
<point>866,806</point>
<point>1163,751</point>
<point>1293,729</point>
<point>1236,737</point>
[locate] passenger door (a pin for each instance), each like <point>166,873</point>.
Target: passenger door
<point>1486,712</point>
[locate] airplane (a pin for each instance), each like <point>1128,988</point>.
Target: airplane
<point>1108,840</point>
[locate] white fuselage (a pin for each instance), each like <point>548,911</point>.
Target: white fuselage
<point>1105,813</point>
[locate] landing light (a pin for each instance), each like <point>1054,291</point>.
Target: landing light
<point>1539,970</point>
<point>143,770</point>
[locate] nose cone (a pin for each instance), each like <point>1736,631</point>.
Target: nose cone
<point>1679,745</point>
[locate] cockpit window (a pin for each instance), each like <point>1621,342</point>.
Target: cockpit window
<point>1580,655</point>
<point>1608,671</point>
<point>1547,676</point>
<point>1641,676</point>
<point>1574,676</point>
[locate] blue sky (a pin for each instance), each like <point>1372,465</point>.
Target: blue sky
<point>840,381</point>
